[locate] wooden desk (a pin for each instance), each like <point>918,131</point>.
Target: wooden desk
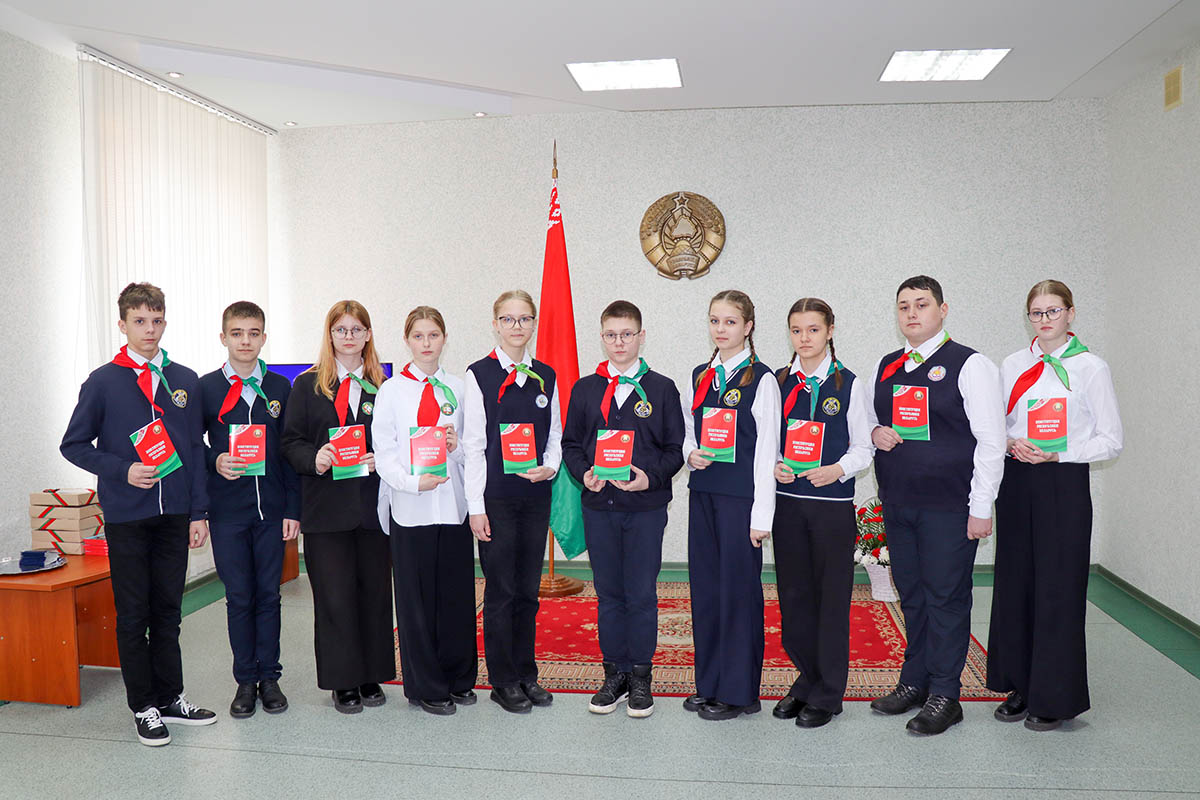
<point>291,561</point>
<point>51,623</point>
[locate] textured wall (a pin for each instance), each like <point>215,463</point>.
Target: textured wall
<point>1151,533</point>
<point>840,202</point>
<point>40,269</point>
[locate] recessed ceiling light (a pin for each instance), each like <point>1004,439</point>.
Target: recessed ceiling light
<point>603,76</point>
<point>174,74</point>
<point>481,113</point>
<point>942,65</point>
<point>290,124</point>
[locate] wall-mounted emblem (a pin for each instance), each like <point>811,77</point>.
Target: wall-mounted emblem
<point>682,235</point>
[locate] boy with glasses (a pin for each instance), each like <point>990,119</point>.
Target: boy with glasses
<point>627,403</point>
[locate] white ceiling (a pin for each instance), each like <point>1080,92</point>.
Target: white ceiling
<point>363,61</point>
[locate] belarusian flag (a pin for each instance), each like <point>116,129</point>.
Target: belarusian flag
<point>556,347</point>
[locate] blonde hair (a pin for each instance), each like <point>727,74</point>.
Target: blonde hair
<point>326,366</point>
<point>746,307</point>
<point>424,312</point>
<point>1056,288</point>
<point>514,294</point>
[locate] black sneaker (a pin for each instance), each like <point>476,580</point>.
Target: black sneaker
<point>614,690</point>
<point>150,729</point>
<point>182,712</point>
<point>641,701</point>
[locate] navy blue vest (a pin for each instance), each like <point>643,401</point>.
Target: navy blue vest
<point>520,404</point>
<point>736,479</point>
<point>833,405</point>
<point>935,475</point>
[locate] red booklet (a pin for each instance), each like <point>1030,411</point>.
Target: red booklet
<point>350,445</point>
<point>614,455</point>
<point>155,448</point>
<point>803,443</point>
<point>718,433</point>
<point>427,447</point>
<point>518,447</point>
<point>910,412</point>
<point>1047,426</point>
<point>249,443</point>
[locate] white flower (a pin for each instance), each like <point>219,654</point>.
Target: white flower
<point>858,556</point>
<point>869,559</point>
<point>884,558</point>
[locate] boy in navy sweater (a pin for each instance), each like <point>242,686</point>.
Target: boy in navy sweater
<point>252,514</point>
<point>624,519</point>
<point>153,513</point>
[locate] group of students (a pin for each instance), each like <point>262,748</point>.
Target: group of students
<point>770,454</point>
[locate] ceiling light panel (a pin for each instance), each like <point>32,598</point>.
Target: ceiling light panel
<point>605,76</point>
<point>942,65</point>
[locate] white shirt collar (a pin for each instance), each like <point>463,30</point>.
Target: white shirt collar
<point>421,376</point>
<point>508,363</point>
<point>930,346</point>
<point>1036,349</point>
<point>732,363</point>
<point>343,372</point>
<point>631,372</point>
<point>230,372</point>
<point>140,360</point>
<point>822,368</point>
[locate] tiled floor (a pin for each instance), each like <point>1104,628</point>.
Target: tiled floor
<point>1138,740</point>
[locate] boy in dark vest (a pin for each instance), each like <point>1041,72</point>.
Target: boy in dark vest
<point>624,519</point>
<point>254,508</point>
<point>152,512</point>
<point>940,438</point>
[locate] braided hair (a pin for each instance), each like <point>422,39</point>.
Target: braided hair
<point>745,307</point>
<point>822,308</point>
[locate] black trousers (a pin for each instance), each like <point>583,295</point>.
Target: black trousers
<point>351,573</point>
<point>148,560</point>
<point>932,560</point>
<point>249,559</point>
<point>512,569</point>
<point>1036,640</point>
<point>814,564</point>
<point>434,571</point>
<point>625,548</point>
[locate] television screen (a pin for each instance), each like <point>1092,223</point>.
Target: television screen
<point>290,371</point>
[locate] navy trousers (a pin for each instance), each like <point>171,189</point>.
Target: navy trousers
<point>1036,642</point>
<point>932,560</point>
<point>725,572</point>
<point>249,558</point>
<point>625,548</point>
<point>814,562</point>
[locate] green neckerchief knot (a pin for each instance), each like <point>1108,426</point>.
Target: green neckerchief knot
<point>530,373</point>
<point>721,376</point>
<point>637,387</point>
<point>252,381</point>
<point>157,371</point>
<point>814,385</point>
<point>449,395</point>
<point>366,385</point>
<point>1074,348</point>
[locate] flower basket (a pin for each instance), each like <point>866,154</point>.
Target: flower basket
<point>882,586</point>
<point>871,550</point>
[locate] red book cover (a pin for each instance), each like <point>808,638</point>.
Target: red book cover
<point>350,445</point>
<point>803,443</point>
<point>249,443</point>
<point>518,447</point>
<point>427,447</point>
<point>155,448</point>
<point>614,455</point>
<point>910,412</point>
<point>718,433</point>
<point>1047,425</point>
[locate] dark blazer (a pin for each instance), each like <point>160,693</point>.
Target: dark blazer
<point>326,505</point>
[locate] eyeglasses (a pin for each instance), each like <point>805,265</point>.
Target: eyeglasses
<point>349,333</point>
<point>516,322</point>
<point>1050,314</point>
<point>625,336</point>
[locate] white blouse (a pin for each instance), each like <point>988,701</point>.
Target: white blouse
<point>395,412</point>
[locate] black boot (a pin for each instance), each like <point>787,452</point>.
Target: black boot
<point>641,701</point>
<point>612,692</point>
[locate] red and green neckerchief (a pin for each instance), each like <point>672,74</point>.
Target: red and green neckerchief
<point>814,388</point>
<point>144,381</point>
<point>891,368</point>
<point>235,390</point>
<point>706,381</point>
<point>512,376</point>
<point>341,403</point>
<point>603,371</point>
<point>1030,376</point>
<point>428,412</point>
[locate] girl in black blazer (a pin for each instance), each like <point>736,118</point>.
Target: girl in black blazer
<point>345,552</point>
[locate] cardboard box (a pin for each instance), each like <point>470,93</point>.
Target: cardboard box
<point>68,536</point>
<point>65,512</point>
<point>62,497</point>
<point>43,541</point>
<point>87,525</point>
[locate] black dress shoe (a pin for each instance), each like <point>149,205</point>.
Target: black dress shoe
<point>273,699</point>
<point>536,694</point>
<point>245,701</point>
<point>813,717</point>
<point>902,698</point>
<point>696,702</point>
<point>512,698</point>
<point>466,698</point>
<point>715,709</point>
<point>1042,723</point>
<point>442,708</point>
<point>372,694</point>
<point>787,708</point>
<point>347,701</point>
<point>1012,709</point>
<point>938,714</point>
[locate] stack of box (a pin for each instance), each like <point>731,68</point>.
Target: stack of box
<point>63,518</point>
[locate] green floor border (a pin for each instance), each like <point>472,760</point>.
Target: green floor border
<point>1163,628</point>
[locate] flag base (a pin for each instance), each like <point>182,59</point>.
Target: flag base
<point>559,586</point>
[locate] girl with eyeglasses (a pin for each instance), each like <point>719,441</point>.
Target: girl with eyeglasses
<point>1062,416</point>
<point>511,441</point>
<point>345,551</point>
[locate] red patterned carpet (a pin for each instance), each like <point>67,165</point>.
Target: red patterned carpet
<point>569,655</point>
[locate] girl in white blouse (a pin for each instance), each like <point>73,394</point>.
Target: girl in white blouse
<point>1062,416</point>
<point>424,509</point>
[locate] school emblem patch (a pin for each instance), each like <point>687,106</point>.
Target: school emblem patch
<point>831,406</point>
<point>274,408</point>
<point>179,397</point>
<point>733,397</point>
<point>643,409</point>
<point>937,373</point>
<point>542,401</point>
<point>367,408</point>
<point>447,409</point>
